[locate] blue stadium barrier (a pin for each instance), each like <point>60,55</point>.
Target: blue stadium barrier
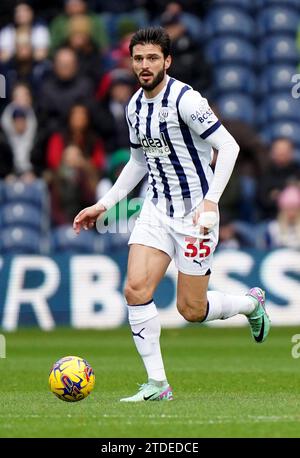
<point>228,21</point>
<point>230,50</point>
<point>237,106</point>
<point>87,291</point>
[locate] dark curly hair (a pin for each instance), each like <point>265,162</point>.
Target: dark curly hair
<point>154,35</point>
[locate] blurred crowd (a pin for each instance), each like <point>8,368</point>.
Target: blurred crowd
<point>68,79</point>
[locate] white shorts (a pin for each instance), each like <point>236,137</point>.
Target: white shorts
<point>179,238</point>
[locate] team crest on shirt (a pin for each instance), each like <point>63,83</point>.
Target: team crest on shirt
<point>163,114</point>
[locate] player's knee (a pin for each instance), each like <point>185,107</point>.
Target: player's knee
<point>193,312</point>
<point>137,292</point>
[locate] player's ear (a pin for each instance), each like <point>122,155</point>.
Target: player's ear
<point>168,62</point>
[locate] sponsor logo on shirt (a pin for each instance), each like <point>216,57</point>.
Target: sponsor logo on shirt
<point>156,146</point>
<point>200,116</point>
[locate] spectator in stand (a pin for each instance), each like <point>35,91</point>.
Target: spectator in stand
<point>73,185</point>
<point>19,125</point>
<point>230,200</point>
<point>115,91</point>
<point>62,89</point>
<point>116,6</point>
<point>21,95</point>
<point>284,231</point>
<point>186,53</point>
<point>282,169</point>
<point>194,7</point>
<point>6,158</point>
<point>240,196</point>
<point>23,66</point>
<point>47,9</point>
<point>120,57</point>
<point>81,41</point>
<point>60,26</point>
<point>38,34</point>
<point>78,132</point>
<point>190,20</point>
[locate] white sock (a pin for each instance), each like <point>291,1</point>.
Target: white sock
<point>222,306</point>
<point>145,326</point>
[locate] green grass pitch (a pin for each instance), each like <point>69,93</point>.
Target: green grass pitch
<point>224,384</point>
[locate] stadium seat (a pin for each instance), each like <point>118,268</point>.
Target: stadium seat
<point>278,50</point>
<point>234,78</point>
<point>277,78</point>
<point>230,50</point>
<point>191,22</point>
<point>19,213</point>
<point>228,21</point>
<point>291,4</point>
<point>281,107</point>
<point>35,193</point>
<point>286,129</point>
<point>277,20</point>
<point>245,5</point>
<point>64,239</point>
<point>237,106</point>
<point>21,240</point>
<point>194,25</point>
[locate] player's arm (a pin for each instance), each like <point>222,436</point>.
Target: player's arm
<point>198,115</point>
<point>131,175</point>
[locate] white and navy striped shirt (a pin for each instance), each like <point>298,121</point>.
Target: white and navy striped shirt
<point>170,132</point>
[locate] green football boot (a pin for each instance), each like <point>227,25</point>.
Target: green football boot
<point>258,319</point>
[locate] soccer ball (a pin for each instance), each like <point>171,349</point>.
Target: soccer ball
<point>71,379</point>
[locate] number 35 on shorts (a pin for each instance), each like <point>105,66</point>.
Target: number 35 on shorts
<point>196,247</point>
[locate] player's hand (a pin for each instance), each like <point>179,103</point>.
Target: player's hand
<point>87,217</point>
<point>206,216</point>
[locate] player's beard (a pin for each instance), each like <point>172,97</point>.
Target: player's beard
<point>158,79</point>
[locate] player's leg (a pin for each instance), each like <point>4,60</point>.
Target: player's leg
<point>192,296</point>
<point>195,303</point>
<point>193,258</point>
<point>146,267</point>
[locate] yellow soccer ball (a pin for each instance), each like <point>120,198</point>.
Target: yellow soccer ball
<point>71,379</point>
